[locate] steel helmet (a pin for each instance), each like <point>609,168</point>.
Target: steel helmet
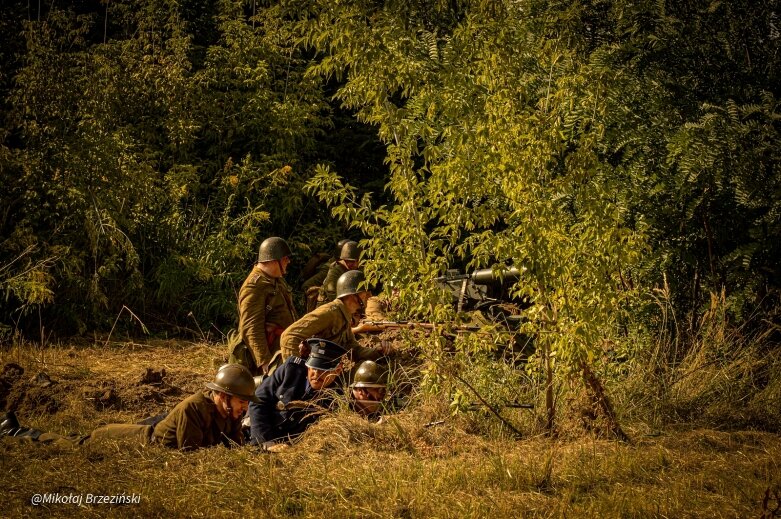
<point>348,283</point>
<point>234,380</point>
<point>350,251</point>
<point>339,246</point>
<point>369,374</point>
<point>273,249</point>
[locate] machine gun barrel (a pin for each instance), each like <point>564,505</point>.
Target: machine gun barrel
<point>484,276</point>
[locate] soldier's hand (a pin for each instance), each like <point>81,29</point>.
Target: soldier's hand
<point>386,347</point>
<point>304,350</point>
<point>275,447</point>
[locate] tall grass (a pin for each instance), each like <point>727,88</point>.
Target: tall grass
<point>720,374</point>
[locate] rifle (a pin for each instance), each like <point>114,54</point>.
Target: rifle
<point>379,326</point>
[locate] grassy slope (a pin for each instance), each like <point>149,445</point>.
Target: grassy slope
<point>345,467</point>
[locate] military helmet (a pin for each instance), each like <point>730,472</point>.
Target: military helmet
<point>339,246</point>
<point>324,355</point>
<point>348,283</point>
<point>272,249</point>
<point>350,251</point>
<point>234,380</point>
<point>369,374</point>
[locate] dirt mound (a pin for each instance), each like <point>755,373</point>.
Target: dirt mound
<point>38,393</point>
<point>33,395</point>
<point>11,374</point>
<point>147,392</point>
<point>151,377</point>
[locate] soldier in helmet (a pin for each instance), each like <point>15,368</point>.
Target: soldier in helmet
<point>349,259</point>
<point>313,284</point>
<point>333,322</point>
<point>265,309</point>
<point>368,389</point>
<point>207,418</point>
<point>292,398</point>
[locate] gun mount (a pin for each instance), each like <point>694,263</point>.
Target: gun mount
<point>478,289</point>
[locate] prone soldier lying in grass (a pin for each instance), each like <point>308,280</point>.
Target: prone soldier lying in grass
<point>207,418</point>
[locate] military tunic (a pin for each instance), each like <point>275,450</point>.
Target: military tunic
<point>328,290</point>
<point>195,422</point>
<point>377,308</point>
<point>287,404</point>
<point>316,280</point>
<point>265,309</point>
<point>331,321</point>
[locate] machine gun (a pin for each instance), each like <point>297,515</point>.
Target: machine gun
<point>480,288</point>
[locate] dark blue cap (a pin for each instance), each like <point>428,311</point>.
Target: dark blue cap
<point>324,355</point>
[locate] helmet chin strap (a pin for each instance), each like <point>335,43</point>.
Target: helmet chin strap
<point>228,406</point>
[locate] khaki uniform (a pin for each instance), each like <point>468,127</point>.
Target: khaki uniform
<point>113,431</point>
<point>331,322</point>
<point>312,285</point>
<point>194,423</point>
<point>328,290</point>
<point>377,308</point>
<point>316,280</point>
<point>265,309</point>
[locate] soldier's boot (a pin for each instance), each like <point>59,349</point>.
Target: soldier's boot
<point>9,426</point>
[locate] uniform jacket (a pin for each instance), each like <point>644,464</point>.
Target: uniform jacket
<point>194,423</point>
<point>328,291</point>
<point>316,280</point>
<point>263,301</point>
<point>288,404</point>
<point>332,322</point>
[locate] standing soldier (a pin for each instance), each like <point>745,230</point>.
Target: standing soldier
<point>333,322</point>
<point>311,286</point>
<point>265,310</point>
<point>207,418</point>
<point>348,260</point>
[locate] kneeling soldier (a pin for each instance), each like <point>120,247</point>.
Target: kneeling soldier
<point>289,401</point>
<point>333,322</point>
<point>207,418</point>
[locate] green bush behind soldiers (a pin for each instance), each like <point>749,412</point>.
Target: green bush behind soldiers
<point>349,259</point>
<point>207,418</point>
<point>265,310</point>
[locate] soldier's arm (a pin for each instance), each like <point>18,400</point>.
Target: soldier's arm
<point>189,429</point>
<point>329,284</point>
<point>358,352</point>
<point>252,321</point>
<point>308,326</point>
<point>261,413</point>
<point>317,278</point>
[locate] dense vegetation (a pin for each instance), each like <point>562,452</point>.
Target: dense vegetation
<point>624,154</point>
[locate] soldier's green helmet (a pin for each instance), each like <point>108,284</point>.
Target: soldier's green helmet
<point>348,283</point>
<point>234,380</point>
<point>338,252</point>
<point>369,374</point>
<point>350,251</point>
<point>272,249</point>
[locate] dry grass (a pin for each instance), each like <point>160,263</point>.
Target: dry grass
<point>346,467</point>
